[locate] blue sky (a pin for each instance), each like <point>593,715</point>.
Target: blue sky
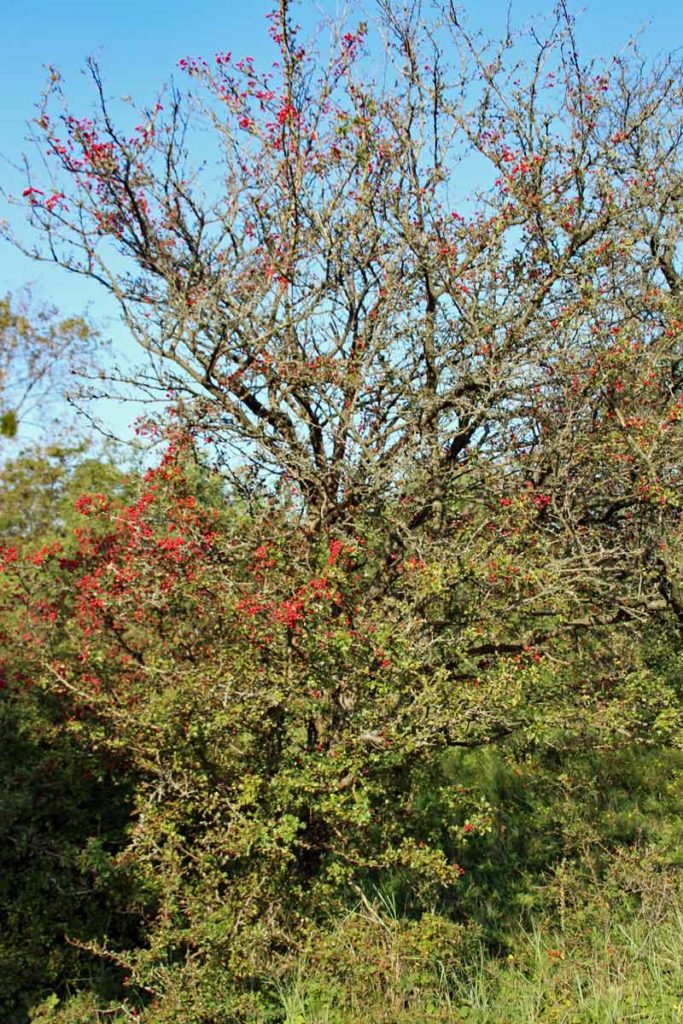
<point>139,43</point>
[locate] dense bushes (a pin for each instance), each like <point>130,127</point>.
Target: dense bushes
<point>221,744</point>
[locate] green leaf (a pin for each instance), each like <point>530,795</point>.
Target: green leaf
<point>8,424</point>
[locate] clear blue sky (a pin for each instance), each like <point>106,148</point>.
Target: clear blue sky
<point>138,43</point>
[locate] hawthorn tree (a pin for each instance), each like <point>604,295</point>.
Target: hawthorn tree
<point>447,421</point>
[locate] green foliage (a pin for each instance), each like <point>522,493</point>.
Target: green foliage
<point>8,424</point>
<point>382,721</point>
<point>64,810</point>
<point>58,804</point>
<point>599,962</point>
<point>262,745</point>
<point>39,488</point>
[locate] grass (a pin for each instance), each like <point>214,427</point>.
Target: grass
<point>627,968</point>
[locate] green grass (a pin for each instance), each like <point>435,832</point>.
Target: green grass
<point>612,973</point>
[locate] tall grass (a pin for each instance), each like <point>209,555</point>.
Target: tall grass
<point>374,970</point>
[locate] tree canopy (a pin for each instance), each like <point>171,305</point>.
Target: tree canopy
<point>340,310</point>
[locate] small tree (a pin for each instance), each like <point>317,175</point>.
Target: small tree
<point>450,419</point>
